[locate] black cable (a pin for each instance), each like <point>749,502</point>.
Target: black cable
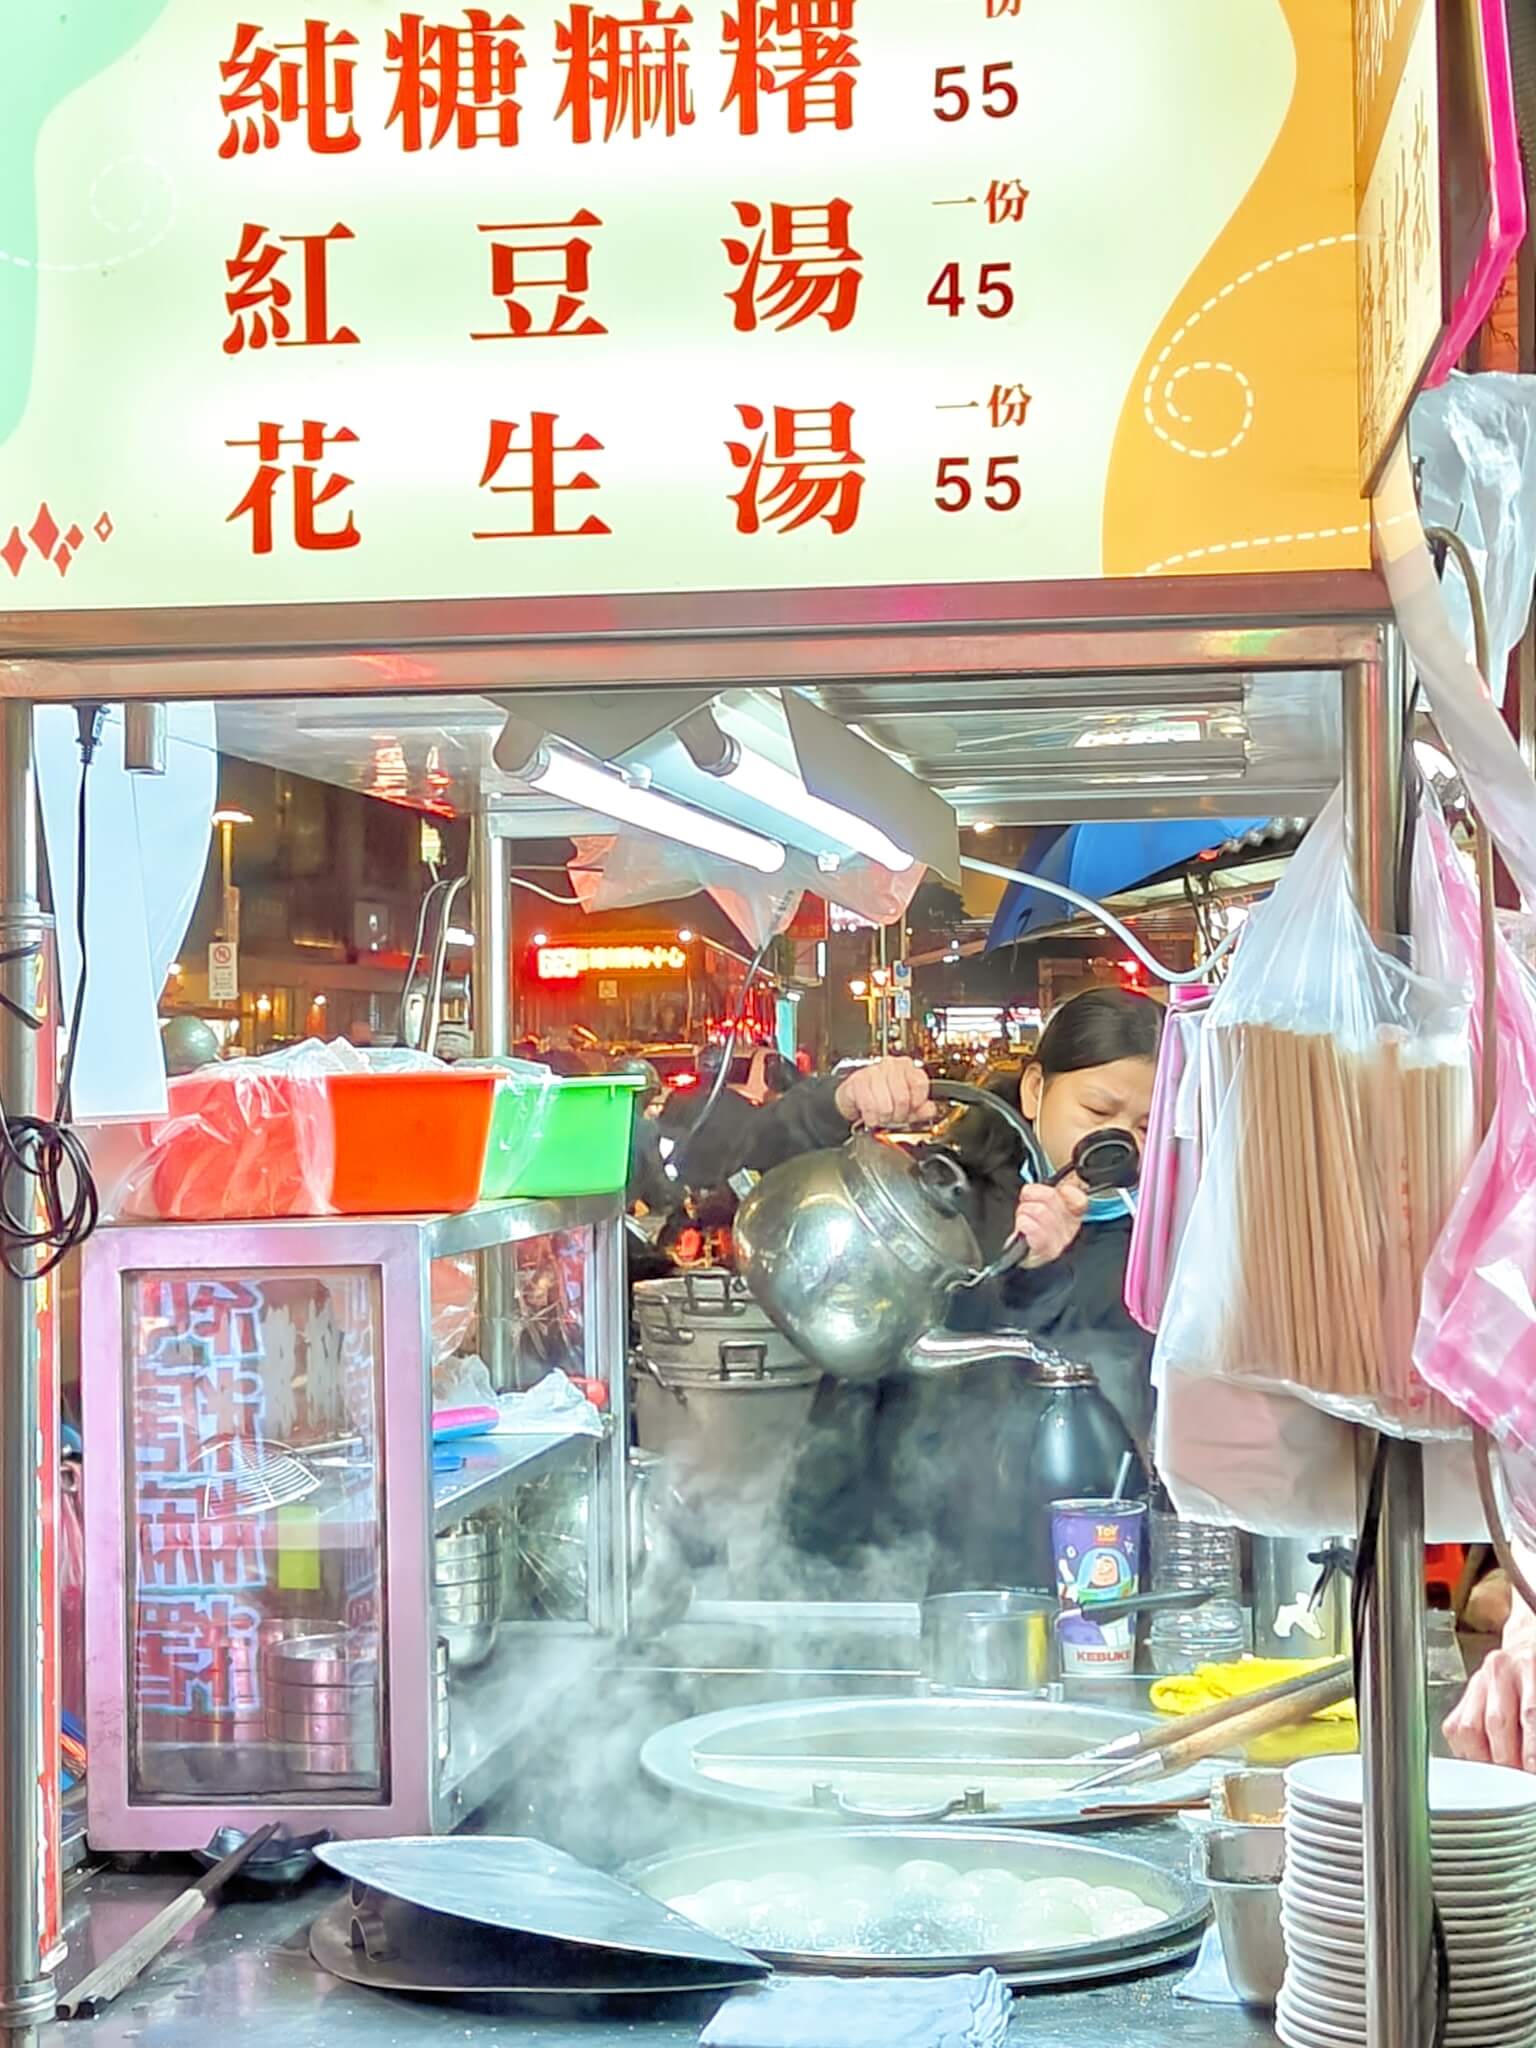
<point>57,1206</point>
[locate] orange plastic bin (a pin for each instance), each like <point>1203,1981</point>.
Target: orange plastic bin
<point>409,1142</point>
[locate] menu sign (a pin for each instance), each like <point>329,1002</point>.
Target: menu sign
<point>1399,227</point>
<point>553,298</point>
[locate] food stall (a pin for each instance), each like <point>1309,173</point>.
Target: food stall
<point>907,478</point>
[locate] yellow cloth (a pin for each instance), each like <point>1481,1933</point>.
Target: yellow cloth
<point>1191,1692</point>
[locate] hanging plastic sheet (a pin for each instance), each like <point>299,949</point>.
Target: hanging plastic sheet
<point>618,870</point>
<point>1477,440</point>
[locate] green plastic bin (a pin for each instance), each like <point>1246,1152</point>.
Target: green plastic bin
<point>580,1143</point>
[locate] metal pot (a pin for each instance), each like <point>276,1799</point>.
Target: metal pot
<point>723,1395</point>
<point>870,1857</point>
<point>988,1641</point>
<point>854,1254</point>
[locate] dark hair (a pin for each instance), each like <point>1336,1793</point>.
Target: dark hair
<point>1097,1027</point>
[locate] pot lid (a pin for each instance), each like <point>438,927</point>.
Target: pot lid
<point>527,1887</point>
<point>922,1191</point>
<point>872,1759</point>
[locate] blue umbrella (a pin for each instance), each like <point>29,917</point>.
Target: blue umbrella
<point>1101,860</point>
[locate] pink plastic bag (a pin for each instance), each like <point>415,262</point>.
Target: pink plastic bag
<point>1170,1159</point>
<point>1476,1338</point>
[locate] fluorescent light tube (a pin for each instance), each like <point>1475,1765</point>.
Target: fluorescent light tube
<point>596,787</point>
<point>766,783</point>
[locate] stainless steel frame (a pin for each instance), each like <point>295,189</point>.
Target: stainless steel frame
<point>1077,631</point>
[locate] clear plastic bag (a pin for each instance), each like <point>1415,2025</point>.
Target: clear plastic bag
<point>245,1138</point>
<point>1338,1096</point>
<point>525,1093</point>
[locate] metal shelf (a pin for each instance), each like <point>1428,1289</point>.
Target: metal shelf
<point>492,1462</point>
<point>492,1707</point>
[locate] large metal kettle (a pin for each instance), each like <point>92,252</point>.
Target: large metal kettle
<point>854,1253</point>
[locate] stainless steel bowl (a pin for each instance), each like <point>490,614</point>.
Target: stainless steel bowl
<point>818,1854</point>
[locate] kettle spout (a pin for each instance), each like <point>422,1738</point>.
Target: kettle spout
<point>942,1351</point>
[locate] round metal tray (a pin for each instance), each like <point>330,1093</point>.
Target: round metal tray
<point>902,1761</point>
<point>1028,1856</point>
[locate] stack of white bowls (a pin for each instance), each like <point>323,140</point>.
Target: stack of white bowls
<point>1483,1825</point>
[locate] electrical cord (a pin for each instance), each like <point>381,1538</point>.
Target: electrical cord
<point>1096,909</point>
<point>48,1199</point>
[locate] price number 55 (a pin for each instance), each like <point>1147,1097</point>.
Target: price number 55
<point>952,98</point>
<point>1001,489</point>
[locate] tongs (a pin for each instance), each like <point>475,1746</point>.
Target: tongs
<point>1159,1752</point>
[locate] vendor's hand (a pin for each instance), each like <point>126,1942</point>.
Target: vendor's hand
<point>1496,1720</point>
<point>1049,1218</point>
<point>886,1093</point>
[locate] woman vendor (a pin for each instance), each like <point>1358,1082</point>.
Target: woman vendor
<point>905,1456</point>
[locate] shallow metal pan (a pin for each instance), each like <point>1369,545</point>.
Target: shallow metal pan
<point>1184,1904</point>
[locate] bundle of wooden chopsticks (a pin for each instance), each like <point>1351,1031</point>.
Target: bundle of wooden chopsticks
<point>1160,1752</point>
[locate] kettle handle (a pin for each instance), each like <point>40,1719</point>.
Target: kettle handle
<point>983,1098</point>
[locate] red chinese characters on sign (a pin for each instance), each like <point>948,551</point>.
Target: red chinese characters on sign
<point>800,266</point>
<point>803,467</point>
<point>802,51</point>
<point>538,483</point>
<point>260,301</point>
<point>1006,200</point>
<point>310,492</point>
<point>556,274</point>
<point>624,73</point>
<point>266,90</point>
<point>1009,405</point>
<point>455,79</point>
<point>1004,10</point>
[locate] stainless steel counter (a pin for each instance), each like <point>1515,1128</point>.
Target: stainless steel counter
<point>242,1978</point>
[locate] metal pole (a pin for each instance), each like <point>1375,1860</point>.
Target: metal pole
<point>26,1992</point>
<point>488,867</point>
<point>491,909</point>
<point>1394,1727</point>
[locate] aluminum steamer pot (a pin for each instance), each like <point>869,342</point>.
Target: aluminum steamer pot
<point>720,1392</point>
<point>855,1253</point>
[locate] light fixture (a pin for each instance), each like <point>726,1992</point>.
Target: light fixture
<point>263,1006</point>
<point>720,754</point>
<point>982,826</point>
<point>458,936</point>
<point>319,1002</point>
<point>685,938</point>
<point>232,817</point>
<point>858,988</point>
<point>541,938</point>
<point>577,779</point>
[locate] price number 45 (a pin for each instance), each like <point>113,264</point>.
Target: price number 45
<point>952,92</point>
<point>1001,490</point>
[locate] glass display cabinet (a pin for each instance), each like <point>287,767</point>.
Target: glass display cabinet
<point>300,1605</point>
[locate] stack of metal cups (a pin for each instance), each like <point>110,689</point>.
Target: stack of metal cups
<point>466,1573</point>
<point>322,1703</point>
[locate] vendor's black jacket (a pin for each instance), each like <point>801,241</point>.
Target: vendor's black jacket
<point>937,1431</point>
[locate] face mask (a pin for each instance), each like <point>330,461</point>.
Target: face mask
<point>1109,1207</point>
